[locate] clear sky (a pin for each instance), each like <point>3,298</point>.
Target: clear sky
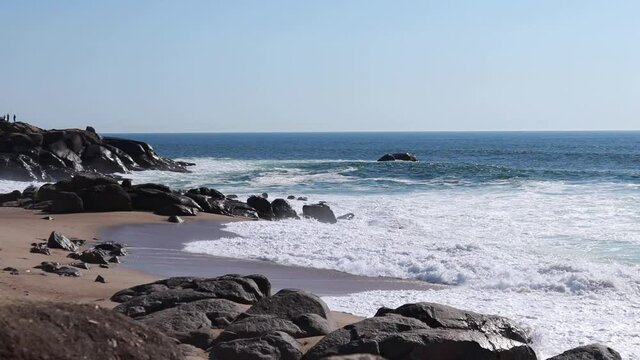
<point>173,66</point>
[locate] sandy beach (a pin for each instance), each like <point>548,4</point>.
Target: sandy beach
<point>155,251</point>
<point>19,228</point>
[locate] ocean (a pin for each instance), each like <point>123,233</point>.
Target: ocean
<point>542,227</point>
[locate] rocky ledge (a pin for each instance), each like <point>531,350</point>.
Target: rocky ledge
<point>29,153</point>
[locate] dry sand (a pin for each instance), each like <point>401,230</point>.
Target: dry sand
<point>19,228</point>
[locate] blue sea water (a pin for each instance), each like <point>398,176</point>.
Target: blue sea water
<point>543,227</point>
<point>459,158</point>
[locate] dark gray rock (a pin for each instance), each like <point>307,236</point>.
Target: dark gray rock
<point>191,322</point>
<point>81,265</point>
<point>147,298</point>
<point>283,210</point>
<point>175,219</point>
<point>94,256</point>
<point>398,156</point>
<point>177,210</point>
<point>291,304</point>
<point>103,198</point>
<point>589,352</point>
<point>443,316</point>
<point>320,212</point>
<point>398,337</point>
<point>112,247</point>
<point>314,324</point>
<point>238,208</point>
<point>348,216</point>
<point>387,157</point>
<point>262,206</point>
<point>63,202</point>
<point>212,193</point>
<point>291,197</point>
<point>56,268</point>
<point>355,357</point>
<point>275,346</point>
<point>258,325</point>
<point>12,196</point>
<point>41,248</point>
<point>100,279</point>
<point>59,241</point>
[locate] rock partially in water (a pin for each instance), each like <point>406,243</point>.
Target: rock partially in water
<point>399,157</point>
<point>320,212</point>
<point>589,352</point>
<point>262,206</point>
<point>283,210</point>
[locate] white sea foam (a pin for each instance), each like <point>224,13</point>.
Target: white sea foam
<point>517,250</point>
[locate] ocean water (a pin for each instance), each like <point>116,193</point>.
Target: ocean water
<point>541,227</point>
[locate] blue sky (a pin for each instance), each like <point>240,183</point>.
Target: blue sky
<point>169,66</point>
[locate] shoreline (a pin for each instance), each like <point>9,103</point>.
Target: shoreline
<point>138,230</point>
<point>158,249</point>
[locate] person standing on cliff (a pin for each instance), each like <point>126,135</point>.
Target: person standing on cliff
<point>14,118</point>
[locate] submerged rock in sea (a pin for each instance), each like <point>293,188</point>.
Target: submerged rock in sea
<point>399,157</point>
<point>589,352</point>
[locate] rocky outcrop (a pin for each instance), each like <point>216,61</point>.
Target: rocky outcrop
<point>589,352</point>
<point>29,153</point>
<point>72,331</point>
<point>398,157</point>
<point>427,330</point>
<point>321,212</point>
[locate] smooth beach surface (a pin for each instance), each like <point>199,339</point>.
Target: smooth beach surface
<point>157,248</point>
<point>19,228</point>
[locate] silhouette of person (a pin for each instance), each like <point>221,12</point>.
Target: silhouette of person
<point>14,117</point>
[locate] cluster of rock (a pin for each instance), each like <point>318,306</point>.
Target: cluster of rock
<point>399,157</point>
<point>29,153</point>
<point>236,317</point>
<point>102,254</point>
<point>89,192</point>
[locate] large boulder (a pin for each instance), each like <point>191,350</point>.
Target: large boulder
<point>398,337</point>
<point>106,198</point>
<point>304,309</point>
<point>100,158</point>
<point>589,352</point>
<point>274,346</point>
<point>262,206</point>
<point>144,155</point>
<point>238,208</point>
<point>72,331</point>
<point>321,212</point>
<point>191,322</point>
<point>283,210</point>
<point>443,316</point>
<point>65,202</point>
<point>12,196</point>
<point>147,298</point>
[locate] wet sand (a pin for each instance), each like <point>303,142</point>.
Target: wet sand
<point>157,249</point>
